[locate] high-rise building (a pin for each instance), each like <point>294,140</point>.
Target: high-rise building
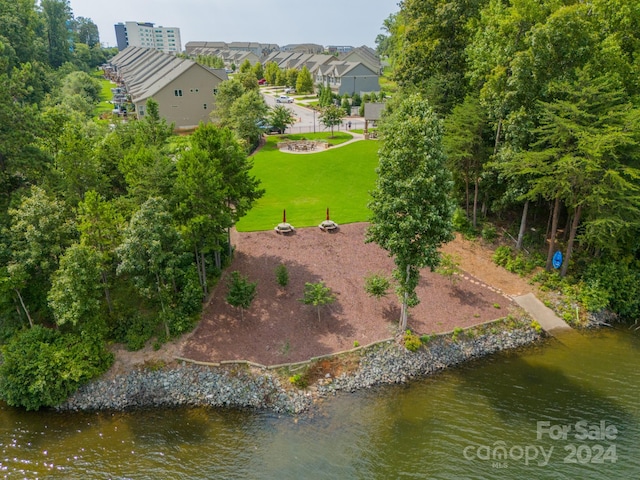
<point>146,35</point>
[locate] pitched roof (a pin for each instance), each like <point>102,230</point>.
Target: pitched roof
<point>146,71</point>
<point>365,55</point>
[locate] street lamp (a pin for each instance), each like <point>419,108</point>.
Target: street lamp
<point>314,120</point>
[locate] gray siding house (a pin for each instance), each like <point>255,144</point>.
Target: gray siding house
<point>348,77</point>
<point>185,91</point>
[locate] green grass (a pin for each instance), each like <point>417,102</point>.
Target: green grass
<point>105,95</point>
<point>306,184</point>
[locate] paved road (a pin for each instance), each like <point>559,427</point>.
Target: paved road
<point>307,118</point>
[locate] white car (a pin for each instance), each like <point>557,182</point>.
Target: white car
<point>289,90</point>
<point>284,99</point>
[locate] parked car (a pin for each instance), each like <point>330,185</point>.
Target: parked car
<point>284,99</point>
<point>289,90</point>
<point>266,128</point>
<point>262,81</point>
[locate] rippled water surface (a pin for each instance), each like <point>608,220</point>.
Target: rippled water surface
<point>509,416</point>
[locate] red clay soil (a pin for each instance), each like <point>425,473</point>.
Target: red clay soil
<point>278,328</point>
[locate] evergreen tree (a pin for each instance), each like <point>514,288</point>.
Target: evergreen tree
<point>241,292</point>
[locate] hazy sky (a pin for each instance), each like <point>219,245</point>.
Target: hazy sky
<point>325,22</point>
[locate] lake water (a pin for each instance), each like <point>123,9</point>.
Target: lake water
<point>565,409</point>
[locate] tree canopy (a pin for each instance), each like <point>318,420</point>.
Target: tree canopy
<point>411,207</point>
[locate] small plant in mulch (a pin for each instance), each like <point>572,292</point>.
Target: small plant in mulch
<point>411,341</point>
<point>282,275</point>
<point>241,292</point>
<point>449,267</point>
<point>317,294</point>
<point>376,285</point>
<point>536,326</point>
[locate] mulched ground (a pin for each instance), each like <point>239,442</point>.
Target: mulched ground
<point>278,328</point>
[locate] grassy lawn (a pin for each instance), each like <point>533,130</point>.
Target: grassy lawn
<point>105,95</point>
<point>306,184</point>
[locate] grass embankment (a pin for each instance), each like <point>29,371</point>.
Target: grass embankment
<point>306,184</point>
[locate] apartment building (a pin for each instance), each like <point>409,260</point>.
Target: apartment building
<point>185,91</point>
<point>146,35</point>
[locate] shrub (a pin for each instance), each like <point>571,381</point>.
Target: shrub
<point>424,339</point>
<point>550,280</point>
<point>356,344</point>
<point>282,275</point>
<point>536,326</point>
<point>141,330</point>
<point>456,333</point>
<point>449,267</point>
<point>298,380</point>
<point>376,285</point>
<point>615,283</point>
<point>411,341</point>
<point>516,263</point>
<point>460,221</point>
<point>42,367</point>
<point>241,291</point>
<point>593,296</point>
<point>502,255</point>
<point>489,232</point>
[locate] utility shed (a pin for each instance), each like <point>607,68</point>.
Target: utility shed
<point>372,113</point>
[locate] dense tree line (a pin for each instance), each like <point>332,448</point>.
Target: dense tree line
<point>541,106</point>
<point>110,231</point>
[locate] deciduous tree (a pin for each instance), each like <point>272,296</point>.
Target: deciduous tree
<point>153,254</point>
<point>331,116</point>
<point>411,208</point>
<point>317,295</point>
<point>281,117</point>
<point>76,292</point>
<point>304,82</point>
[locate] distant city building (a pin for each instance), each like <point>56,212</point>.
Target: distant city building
<point>146,35</point>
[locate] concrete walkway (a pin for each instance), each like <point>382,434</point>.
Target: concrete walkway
<point>547,319</point>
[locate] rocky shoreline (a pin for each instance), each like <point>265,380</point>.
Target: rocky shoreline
<point>241,387</point>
